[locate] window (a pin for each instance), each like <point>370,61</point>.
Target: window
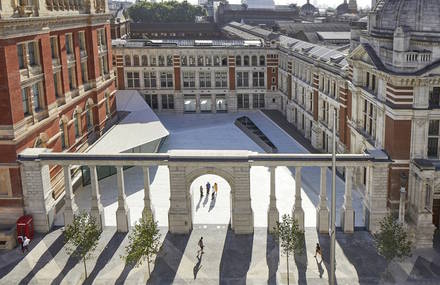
<point>200,60</point>
<point>242,79</point>
<point>170,60</point>
<point>238,60</point>
<point>254,60</point>
<point>183,60</point>
<point>36,96</point>
<point>258,101</point>
<point>20,53</point>
<point>103,67</point>
<point>25,101</point>
<point>82,41</point>
<point>167,101</point>
<point>135,60</point>
<point>133,79</point>
<point>221,79</point>
<point>433,137</point>
<point>127,60</point>
<point>224,60</point>
<point>189,79</point>
<point>246,60</point>
<point>69,44</point>
<point>54,47</point>
<point>150,79</point>
<point>262,60</point>
<point>107,104</point>
<point>216,60</point>
<point>89,116</point>
<point>144,60</point>
<point>57,84</point>
<point>102,38</point>
<point>258,79</point>
<point>32,57</point>
<point>369,116</point>
<point>192,60</point>
<point>161,60</point>
<point>77,123</point>
<point>63,136</point>
<point>72,78</point>
<point>243,101</point>
<point>434,97</point>
<point>151,100</point>
<point>152,60</point>
<point>368,80</point>
<point>166,80</point>
<point>84,72</point>
<point>208,61</point>
<point>205,79</point>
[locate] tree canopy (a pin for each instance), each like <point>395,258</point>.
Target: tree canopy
<point>168,11</point>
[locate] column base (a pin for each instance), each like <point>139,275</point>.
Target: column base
<point>243,222</point>
<point>123,220</point>
<point>347,220</point>
<point>98,214</point>
<point>423,232</point>
<point>273,216</point>
<point>322,219</point>
<point>148,212</point>
<point>179,223</point>
<point>298,214</point>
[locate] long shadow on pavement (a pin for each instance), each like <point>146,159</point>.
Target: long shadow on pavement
<point>272,259</point>
<point>168,260</point>
<point>70,264</point>
<point>301,265</point>
<point>236,258</point>
<point>106,255</point>
<point>324,242</point>
<point>45,258</point>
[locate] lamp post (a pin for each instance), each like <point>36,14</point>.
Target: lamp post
<point>403,180</point>
<point>333,207</point>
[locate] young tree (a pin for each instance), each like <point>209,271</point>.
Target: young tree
<point>144,242</point>
<point>392,240</point>
<point>290,237</point>
<point>82,237</point>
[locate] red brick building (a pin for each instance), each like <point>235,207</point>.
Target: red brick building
<point>56,86</point>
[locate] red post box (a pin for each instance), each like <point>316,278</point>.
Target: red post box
<point>25,227</point>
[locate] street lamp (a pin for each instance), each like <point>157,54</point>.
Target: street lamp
<point>403,181</point>
<point>333,208</point>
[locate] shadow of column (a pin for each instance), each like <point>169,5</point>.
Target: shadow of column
<point>168,260</point>
<point>45,258</point>
<point>236,258</point>
<point>70,264</point>
<point>301,264</point>
<point>272,258</point>
<point>106,255</point>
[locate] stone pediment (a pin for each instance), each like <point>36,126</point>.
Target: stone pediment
<point>366,55</point>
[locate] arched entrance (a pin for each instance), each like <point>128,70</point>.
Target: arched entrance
<point>213,207</point>
<point>182,176</point>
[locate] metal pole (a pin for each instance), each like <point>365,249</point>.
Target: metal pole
<point>333,207</point>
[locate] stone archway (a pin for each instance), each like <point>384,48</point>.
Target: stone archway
<point>181,178</point>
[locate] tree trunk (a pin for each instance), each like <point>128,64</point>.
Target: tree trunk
<point>288,273</point>
<point>85,267</point>
<point>148,263</point>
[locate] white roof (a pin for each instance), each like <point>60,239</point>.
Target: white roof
<point>139,127</point>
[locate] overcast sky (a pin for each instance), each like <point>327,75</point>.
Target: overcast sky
<point>331,3</point>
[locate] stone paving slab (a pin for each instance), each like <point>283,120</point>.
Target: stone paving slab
<point>228,259</point>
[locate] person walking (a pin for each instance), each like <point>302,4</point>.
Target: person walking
<point>318,250</point>
<point>25,244</point>
<point>215,188</point>
<point>208,187</point>
<point>213,195</point>
<point>201,245</point>
<point>201,191</point>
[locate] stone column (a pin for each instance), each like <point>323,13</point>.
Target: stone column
<point>242,214</point>
<point>180,213</point>
<point>147,202</point>
<point>347,213</point>
<point>123,212</point>
<point>96,210</point>
<point>322,212</point>
<point>70,207</point>
<point>273,216</point>
<point>298,212</point>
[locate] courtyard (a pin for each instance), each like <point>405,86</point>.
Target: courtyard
<point>229,258</point>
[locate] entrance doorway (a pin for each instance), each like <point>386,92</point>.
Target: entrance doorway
<point>207,209</point>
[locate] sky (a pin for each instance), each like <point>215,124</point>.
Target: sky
<point>324,3</point>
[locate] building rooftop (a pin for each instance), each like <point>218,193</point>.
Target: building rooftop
<point>186,43</point>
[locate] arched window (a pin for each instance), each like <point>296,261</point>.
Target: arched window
<point>77,123</point>
<point>262,60</point>
<point>136,60</point>
<point>127,60</point>
<point>254,60</point>
<point>63,136</point>
<point>246,60</point>
<point>89,116</point>
<point>144,60</point>
<point>238,60</point>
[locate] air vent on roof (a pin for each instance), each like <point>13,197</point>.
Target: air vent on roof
<point>306,49</point>
<point>337,58</point>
